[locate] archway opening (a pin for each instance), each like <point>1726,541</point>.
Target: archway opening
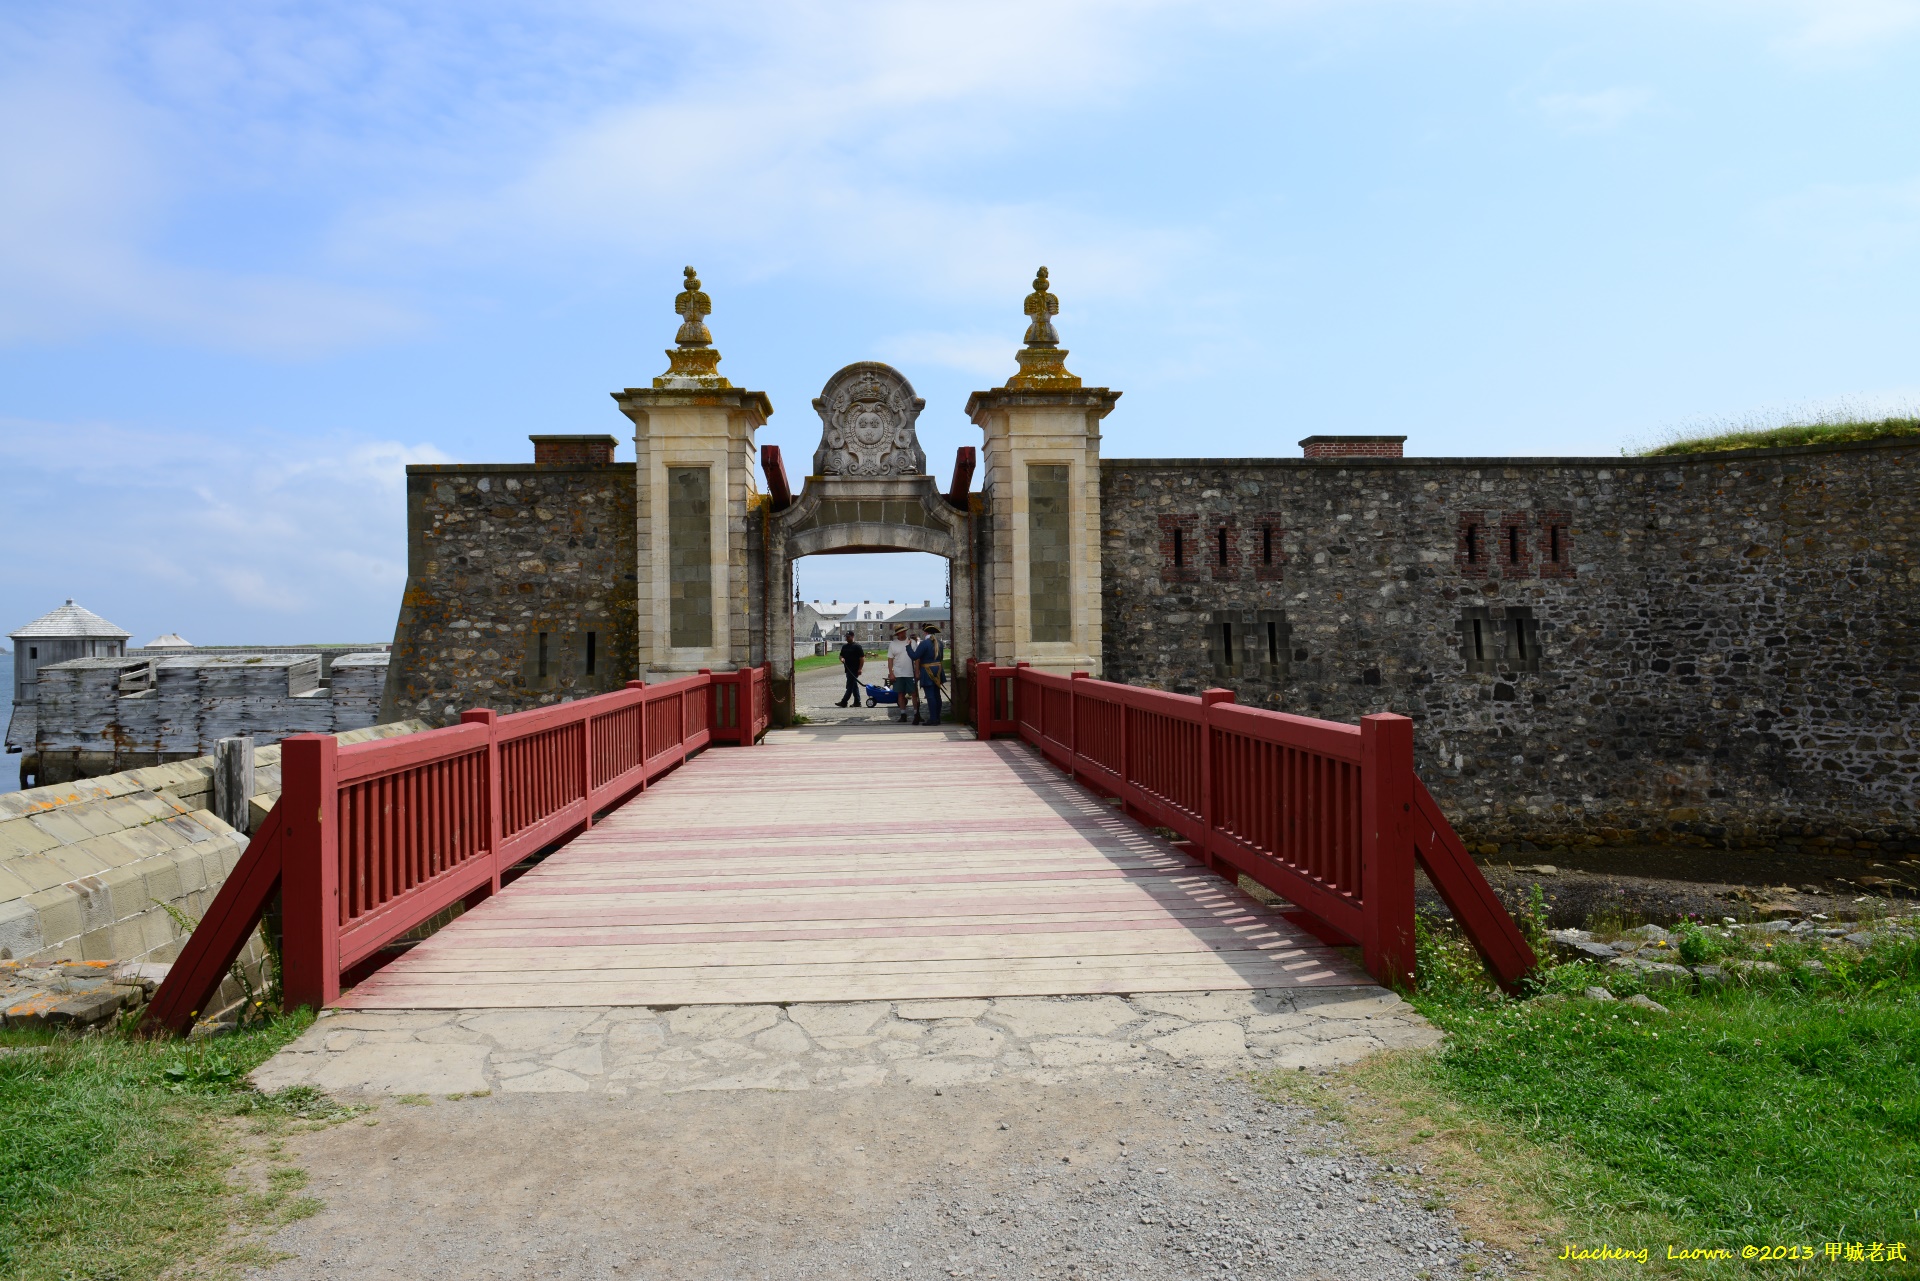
<point>866,594</point>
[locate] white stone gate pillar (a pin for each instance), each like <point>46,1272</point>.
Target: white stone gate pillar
<point>1040,572</point>
<point>693,442</point>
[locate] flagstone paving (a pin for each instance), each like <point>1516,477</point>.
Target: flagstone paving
<point>622,1050</point>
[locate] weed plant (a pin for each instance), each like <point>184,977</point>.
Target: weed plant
<point>1780,1109</point>
<point>1832,431</point>
<point>115,1151</point>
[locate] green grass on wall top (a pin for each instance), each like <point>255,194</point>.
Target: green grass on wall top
<point>1839,432</point>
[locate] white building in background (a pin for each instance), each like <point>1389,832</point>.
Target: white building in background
<point>85,704</point>
<point>820,625</point>
<point>72,631</point>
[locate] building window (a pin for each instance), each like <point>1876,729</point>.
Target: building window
<point>1268,568</point>
<point>1516,545</point>
<point>1224,644</point>
<point>1177,543</point>
<point>1049,553</point>
<point>1500,639</point>
<point>690,557</point>
<point>1556,545</point>
<point>1521,632</point>
<point>1226,554</point>
<point>1470,545</point>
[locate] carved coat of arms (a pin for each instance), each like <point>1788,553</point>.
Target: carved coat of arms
<point>867,412</point>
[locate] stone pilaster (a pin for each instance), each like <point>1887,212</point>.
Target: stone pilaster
<point>1041,574</point>
<point>694,449</point>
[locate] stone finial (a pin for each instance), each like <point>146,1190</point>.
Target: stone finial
<point>1043,307</point>
<point>1043,361</point>
<point>693,363</point>
<point>693,307</point>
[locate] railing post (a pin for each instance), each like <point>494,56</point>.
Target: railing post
<point>978,671</point>
<point>1386,846</point>
<point>1208,698</point>
<point>496,823</point>
<point>310,872</point>
<point>642,705</point>
<point>586,764</point>
<point>1073,723</point>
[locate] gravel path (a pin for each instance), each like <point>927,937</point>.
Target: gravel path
<point>1083,1137</point>
<point>1180,1175</point>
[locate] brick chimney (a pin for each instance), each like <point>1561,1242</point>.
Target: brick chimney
<point>1352,446</point>
<point>572,451</point>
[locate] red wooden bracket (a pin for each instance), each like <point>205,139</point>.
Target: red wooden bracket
<point>206,957</point>
<point>777,487</point>
<point>1464,890</point>
<point>962,485</point>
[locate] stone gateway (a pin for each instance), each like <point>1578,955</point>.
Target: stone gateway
<point>1712,649</point>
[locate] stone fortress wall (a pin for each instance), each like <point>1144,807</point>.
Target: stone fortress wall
<point>1714,648</point>
<point>500,556</point>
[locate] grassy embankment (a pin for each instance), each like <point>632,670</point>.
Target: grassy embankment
<point>1783,1111</point>
<point>1757,436</point>
<point>118,1155</point>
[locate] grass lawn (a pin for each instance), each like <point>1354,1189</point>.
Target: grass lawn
<point>118,1155</point>
<point>1821,433</point>
<point>1782,1112</point>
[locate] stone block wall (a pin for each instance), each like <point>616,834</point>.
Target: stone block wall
<point>497,556</point>
<point>1713,649</point>
<point>89,869</point>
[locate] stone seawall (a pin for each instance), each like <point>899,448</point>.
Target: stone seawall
<point>1717,648</point>
<point>90,869</point>
<point>520,588</point>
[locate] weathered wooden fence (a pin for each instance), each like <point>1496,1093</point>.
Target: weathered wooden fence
<point>372,840</point>
<point>1329,816</point>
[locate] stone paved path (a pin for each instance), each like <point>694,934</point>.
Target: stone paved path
<point>619,1051</point>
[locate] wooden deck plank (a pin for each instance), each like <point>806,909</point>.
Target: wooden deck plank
<point>759,876</point>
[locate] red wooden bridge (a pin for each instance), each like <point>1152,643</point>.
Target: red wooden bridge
<point>604,856</point>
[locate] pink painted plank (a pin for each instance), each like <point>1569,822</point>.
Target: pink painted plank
<point>1003,867</point>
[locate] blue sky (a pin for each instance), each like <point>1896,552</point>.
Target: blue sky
<point>255,258</point>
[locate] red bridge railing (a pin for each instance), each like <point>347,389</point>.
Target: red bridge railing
<point>1331,817</point>
<point>373,840</point>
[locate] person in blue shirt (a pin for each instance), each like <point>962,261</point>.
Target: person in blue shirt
<point>930,667</point>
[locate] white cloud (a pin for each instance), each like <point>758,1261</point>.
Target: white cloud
<point>1847,25</point>
<point>89,187</point>
<point>1599,112</point>
<point>249,538</point>
<point>822,137</point>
